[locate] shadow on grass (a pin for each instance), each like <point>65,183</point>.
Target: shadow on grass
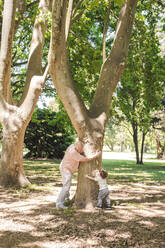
<point>77,228</point>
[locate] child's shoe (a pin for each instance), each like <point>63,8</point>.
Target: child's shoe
<point>108,208</point>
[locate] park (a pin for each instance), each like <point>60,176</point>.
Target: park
<point>29,217</point>
<point>82,111</point>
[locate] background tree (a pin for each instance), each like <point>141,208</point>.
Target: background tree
<point>15,115</point>
<point>158,124</point>
<point>118,135</point>
<point>142,84</point>
<point>89,123</point>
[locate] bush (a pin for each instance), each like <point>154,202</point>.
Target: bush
<point>46,136</point>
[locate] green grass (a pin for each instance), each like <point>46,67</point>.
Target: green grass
<point>129,171</point>
<point>46,172</point>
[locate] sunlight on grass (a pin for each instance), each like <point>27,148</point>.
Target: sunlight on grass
<point>124,170</point>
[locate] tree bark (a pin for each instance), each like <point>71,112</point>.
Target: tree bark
<point>12,170</point>
<point>163,156</point>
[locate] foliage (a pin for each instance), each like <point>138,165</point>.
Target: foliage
<point>46,136</point>
<point>142,84</point>
<point>85,45</point>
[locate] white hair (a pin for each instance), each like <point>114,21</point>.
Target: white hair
<point>78,144</point>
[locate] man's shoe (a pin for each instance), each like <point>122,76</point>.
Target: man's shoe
<point>61,207</point>
<point>98,207</point>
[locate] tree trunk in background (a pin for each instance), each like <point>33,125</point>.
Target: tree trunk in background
<point>15,119</point>
<point>163,156</point>
<point>12,170</point>
<point>142,148</point>
<point>160,146</point>
<point>135,140</point>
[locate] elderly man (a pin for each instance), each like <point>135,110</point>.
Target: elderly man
<point>68,166</point>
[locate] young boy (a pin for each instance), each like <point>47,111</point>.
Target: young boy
<point>100,177</point>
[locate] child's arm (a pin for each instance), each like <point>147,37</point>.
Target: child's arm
<point>91,178</point>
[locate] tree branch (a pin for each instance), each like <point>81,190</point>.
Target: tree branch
<point>77,7</point>
<point>68,19</point>
<point>74,16</point>
<point>77,17</point>
<point>34,66</point>
<point>6,47</point>
<point>21,63</point>
<point>161,4</point>
<point>105,31</point>
<point>113,67</point>
<point>36,85</point>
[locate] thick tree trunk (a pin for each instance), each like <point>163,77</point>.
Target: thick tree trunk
<point>87,190</point>
<point>12,170</point>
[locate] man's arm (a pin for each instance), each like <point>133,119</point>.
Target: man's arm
<point>77,156</point>
<point>85,159</point>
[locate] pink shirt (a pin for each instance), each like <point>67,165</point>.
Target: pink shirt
<point>71,159</point>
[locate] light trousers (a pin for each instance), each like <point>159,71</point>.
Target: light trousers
<point>103,194</point>
<point>64,193</point>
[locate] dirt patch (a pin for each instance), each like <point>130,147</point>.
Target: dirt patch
<point>29,219</point>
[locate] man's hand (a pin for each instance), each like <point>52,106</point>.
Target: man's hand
<point>98,154</point>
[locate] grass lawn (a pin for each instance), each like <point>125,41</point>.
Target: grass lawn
<point>29,219</point>
<point>129,171</point>
<point>46,172</point>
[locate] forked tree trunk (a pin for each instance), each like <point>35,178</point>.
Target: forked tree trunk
<point>89,124</point>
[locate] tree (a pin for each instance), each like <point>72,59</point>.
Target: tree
<point>158,124</point>
<point>118,134</point>
<point>88,123</point>
<point>15,116</point>
<point>141,88</point>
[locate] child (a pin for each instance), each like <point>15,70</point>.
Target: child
<point>100,177</point>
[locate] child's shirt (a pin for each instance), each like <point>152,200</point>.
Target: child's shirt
<point>101,182</point>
